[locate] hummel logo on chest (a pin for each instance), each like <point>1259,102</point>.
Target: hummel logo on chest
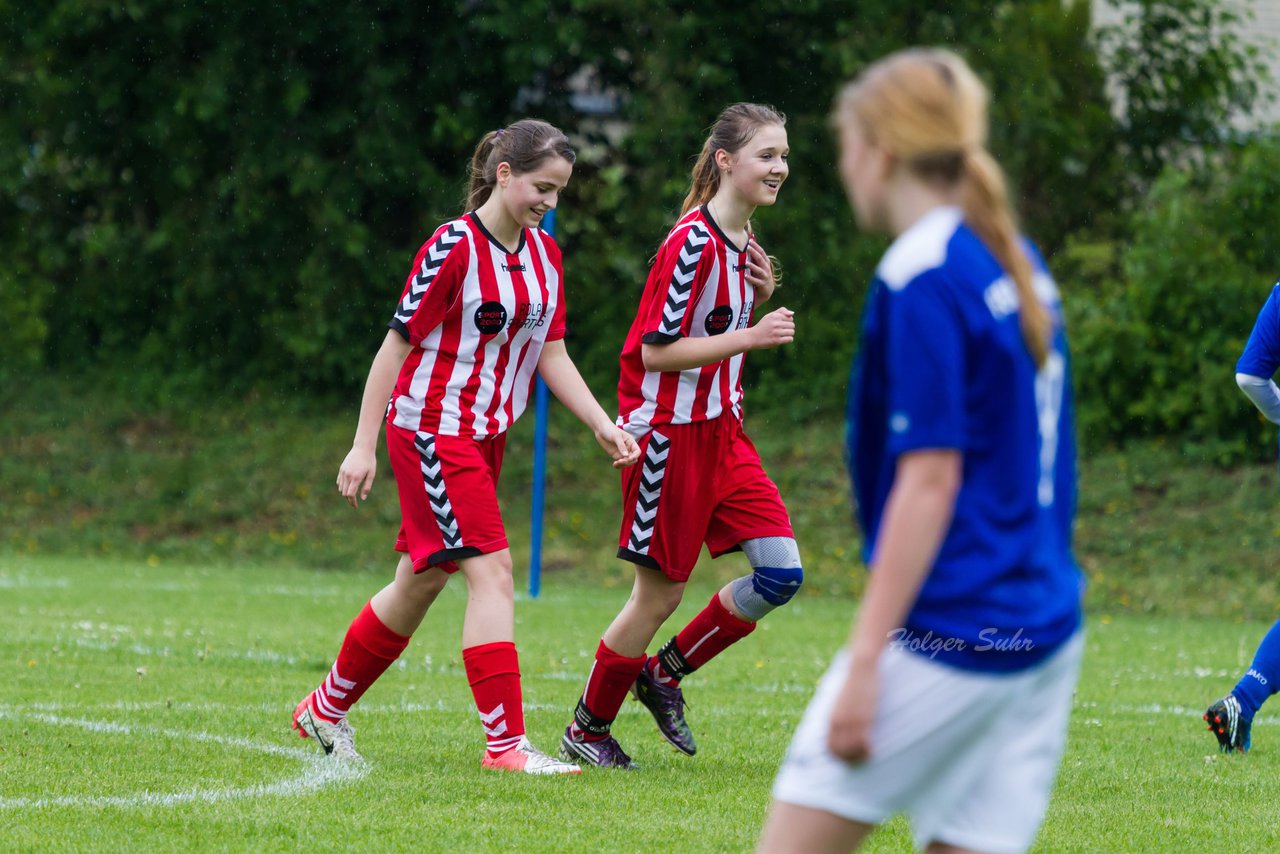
<point>513,268</point>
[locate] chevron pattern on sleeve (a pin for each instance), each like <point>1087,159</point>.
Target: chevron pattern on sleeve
<point>433,481</point>
<point>646,512</point>
<point>682,280</point>
<point>431,262</point>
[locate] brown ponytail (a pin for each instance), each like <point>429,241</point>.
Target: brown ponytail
<point>479,188</point>
<point>524,145</point>
<point>928,109</point>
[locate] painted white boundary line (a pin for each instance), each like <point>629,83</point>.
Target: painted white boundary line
<point>317,771</point>
<point>1157,709</point>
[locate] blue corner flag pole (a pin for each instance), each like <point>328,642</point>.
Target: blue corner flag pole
<point>541,404</point>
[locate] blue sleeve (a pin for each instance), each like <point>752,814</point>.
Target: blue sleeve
<point>926,367</point>
<point>1261,354</point>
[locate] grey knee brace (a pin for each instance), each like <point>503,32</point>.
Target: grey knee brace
<point>776,577</point>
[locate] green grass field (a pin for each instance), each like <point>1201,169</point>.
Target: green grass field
<point>147,708</point>
<point>175,577</point>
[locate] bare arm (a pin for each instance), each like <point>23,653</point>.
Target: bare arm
<point>356,474</point>
<point>776,328</point>
<point>561,376</point>
<point>916,517</point>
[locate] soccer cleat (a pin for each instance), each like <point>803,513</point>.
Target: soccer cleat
<point>338,740</point>
<point>605,753</point>
<point>666,704</point>
<point>528,759</point>
<point>1229,725</point>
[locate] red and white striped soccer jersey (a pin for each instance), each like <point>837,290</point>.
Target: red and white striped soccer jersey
<point>697,287</point>
<point>477,317</point>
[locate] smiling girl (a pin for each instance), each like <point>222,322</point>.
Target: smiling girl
<point>680,395</point>
<point>482,309</point>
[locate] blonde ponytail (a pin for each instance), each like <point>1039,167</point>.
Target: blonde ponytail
<point>927,108</point>
<point>987,211</point>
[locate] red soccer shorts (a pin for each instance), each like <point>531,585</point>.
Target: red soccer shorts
<point>448,496</point>
<point>696,483</point>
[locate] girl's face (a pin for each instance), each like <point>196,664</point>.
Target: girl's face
<point>863,169</point>
<point>529,195</point>
<point>758,169</point>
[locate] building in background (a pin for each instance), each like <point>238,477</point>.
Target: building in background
<point>1259,28</point>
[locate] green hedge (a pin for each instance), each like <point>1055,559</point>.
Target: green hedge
<point>228,195</point>
<point>1156,342</point>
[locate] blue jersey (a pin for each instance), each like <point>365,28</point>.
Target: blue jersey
<point>942,365</point>
<point>1261,354</point>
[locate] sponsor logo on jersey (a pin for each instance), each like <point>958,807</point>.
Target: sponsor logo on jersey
<point>491,317</point>
<point>718,320</point>
<point>513,268</point>
<point>530,315</point>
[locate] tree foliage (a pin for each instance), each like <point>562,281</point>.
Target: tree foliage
<point>1181,69</point>
<point>230,194</point>
<point>1155,349</point>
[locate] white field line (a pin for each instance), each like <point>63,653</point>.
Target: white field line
<point>12,582</point>
<point>1088,711</point>
<point>46,712</point>
<point>300,591</point>
<point>1085,711</point>
<point>317,771</point>
<point>264,655</point>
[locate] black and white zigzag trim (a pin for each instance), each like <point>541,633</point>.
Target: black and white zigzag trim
<point>433,480</point>
<point>682,280</point>
<point>646,512</point>
<point>431,262</point>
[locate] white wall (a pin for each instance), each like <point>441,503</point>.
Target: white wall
<point>1263,31</point>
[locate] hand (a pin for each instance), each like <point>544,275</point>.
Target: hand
<point>776,328</point>
<point>355,475</point>
<point>759,271</point>
<point>850,735</point>
<point>619,445</point>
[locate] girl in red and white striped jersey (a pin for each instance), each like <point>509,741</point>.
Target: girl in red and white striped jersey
<point>481,311</point>
<point>680,396</point>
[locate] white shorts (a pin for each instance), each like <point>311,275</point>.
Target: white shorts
<point>969,757</point>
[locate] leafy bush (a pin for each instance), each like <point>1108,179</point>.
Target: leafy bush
<point>231,200</point>
<point>1155,351</point>
<point>23,330</point>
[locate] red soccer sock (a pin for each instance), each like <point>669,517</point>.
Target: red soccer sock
<point>710,633</point>
<point>367,651</point>
<point>493,670</point>
<point>607,686</point>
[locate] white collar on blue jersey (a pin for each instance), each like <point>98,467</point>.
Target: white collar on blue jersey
<point>922,247</point>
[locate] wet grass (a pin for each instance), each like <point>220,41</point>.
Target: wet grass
<point>146,709</point>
